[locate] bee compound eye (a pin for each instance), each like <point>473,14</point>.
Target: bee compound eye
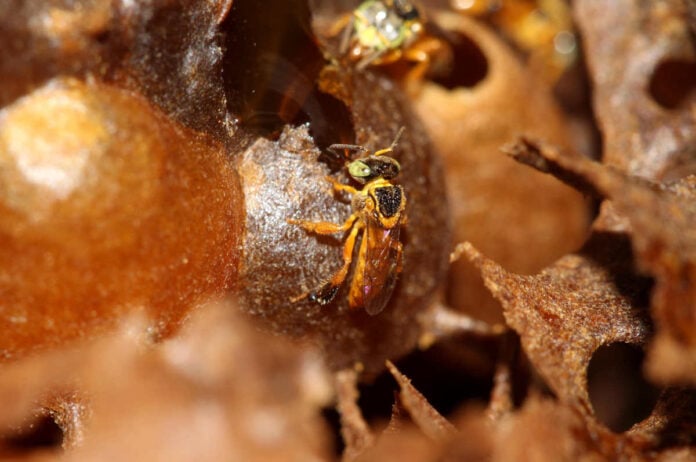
<point>358,169</point>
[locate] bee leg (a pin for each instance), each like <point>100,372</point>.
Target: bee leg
<point>340,24</point>
<point>354,429</point>
<point>346,24</point>
<point>343,151</point>
<point>326,293</point>
<point>369,59</point>
<point>323,227</point>
<point>338,186</point>
<point>440,321</point>
<point>400,260</point>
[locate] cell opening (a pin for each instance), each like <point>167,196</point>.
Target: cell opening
<point>450,374</point>
<point>270,70</point>
<point>42,433</point>
<point>620,395</point>
<point>469,64</point>
<point>333,422</point>
<point>672,82</point>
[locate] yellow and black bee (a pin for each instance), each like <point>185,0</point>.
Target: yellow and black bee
<point>378,213</point>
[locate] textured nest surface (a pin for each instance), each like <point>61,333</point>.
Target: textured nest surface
<point>152,153</point>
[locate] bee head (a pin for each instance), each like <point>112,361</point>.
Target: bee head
<point>371,167</point>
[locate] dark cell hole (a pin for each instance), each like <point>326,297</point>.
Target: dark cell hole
<point>42,433</point>
<point>672,82</point>
<point>614,252</point>
<point>449,375</point>
<point>469,64</point>
<point>333,421</point>
<point>330,121</point>
<point>620,395</point>
<point>270,68</point>
<point>519,369</point>
<point>679,405</point>
<point>103,36</point>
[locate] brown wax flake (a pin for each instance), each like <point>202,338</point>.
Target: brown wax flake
<point>439,322</point>
<point>431,422</point>
<point>398,419</point>
<point>642,62</point>
<point>356,434</point>
<point>567,166</point>
<point>570,309</point>
<point>501,401</point>
<point>662,221</point>
<point>564,314</point>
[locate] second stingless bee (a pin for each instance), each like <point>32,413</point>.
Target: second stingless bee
<point>381,32</point>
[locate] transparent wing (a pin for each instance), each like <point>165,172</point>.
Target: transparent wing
<point>382,265</point>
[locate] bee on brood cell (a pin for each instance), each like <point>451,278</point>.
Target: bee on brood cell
<point>380,32</point>
<point>378,213</point>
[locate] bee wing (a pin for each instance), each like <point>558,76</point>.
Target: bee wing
<point>382,265</point>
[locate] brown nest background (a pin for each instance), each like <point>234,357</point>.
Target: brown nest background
<point>151,154</point>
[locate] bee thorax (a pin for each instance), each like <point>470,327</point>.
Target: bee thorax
<point>389,200</point>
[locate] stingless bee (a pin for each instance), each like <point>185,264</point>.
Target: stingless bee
<point>378,213</point>
<point>384,31</point>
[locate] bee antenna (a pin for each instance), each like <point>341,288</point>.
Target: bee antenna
<point>343,150</point>
<point>393,145</point>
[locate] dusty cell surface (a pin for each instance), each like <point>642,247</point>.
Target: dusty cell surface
<point>283,174</point>
<point>107,208</point>
<point>282,180</point>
